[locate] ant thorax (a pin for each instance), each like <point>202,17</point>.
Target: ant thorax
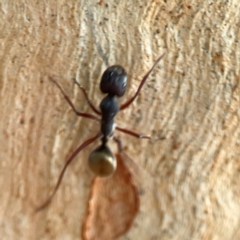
<point>109,108</point>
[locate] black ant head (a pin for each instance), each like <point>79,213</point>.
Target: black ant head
<point>114,81</point>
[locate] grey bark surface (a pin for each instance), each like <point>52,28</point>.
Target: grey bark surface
<point>189,181</point>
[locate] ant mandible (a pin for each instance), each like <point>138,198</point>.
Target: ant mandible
<point>102,161</point>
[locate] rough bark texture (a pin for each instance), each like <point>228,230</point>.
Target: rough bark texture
<point>191,178</point>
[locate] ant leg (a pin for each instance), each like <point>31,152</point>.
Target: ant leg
<point>126,104</point>
<point>86,115</point>
<point>137,172</point>
<point>124,156</point>
<point>119,144</point>
<point>69,160</point>
<point>138,135</point>
<point>87,98</point>
<point>134,134</point>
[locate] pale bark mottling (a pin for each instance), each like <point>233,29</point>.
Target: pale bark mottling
<point>190,181</point>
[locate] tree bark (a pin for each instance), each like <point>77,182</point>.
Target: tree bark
<point>189,180</point>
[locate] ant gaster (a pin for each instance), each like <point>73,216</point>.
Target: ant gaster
<point>101,160</point>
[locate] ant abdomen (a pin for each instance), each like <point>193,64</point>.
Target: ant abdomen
<point>102,162</point>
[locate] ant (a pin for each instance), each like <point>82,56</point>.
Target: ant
<point>102,161</point>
